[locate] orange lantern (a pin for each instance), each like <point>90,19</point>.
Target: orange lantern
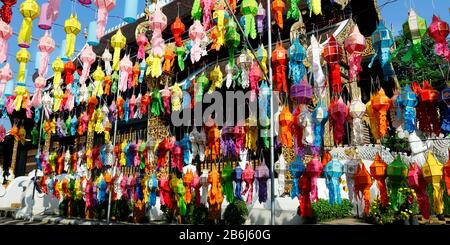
<point>178,29</point>
<point>279,62</point>
<point>278,7</point>
<point>378,172</point>
<point>363,182</point>
<point>381,104</point>
<point>286,122</point>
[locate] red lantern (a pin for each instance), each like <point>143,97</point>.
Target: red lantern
<point>314,170</point>
<point>428,98</point>
<point>69,69</point>
<point>332,53</point>
<point>378,172</point>
<point>338,113</point>
<point>279,62</point>
<point>278,7</point>
<point>6,10</point>
<point>447,174</point>
<point>439,30</point>
<point>417,182</point>
<point>363,182</point>
<point>178,29</point>
<point>355,44</point>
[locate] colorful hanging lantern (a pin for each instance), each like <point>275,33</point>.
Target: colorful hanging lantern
<point>297,54</point>
<point>432,172</point>
<point>296,168</point>
<point>213,139</point>
<point>260,19</point>
<point>314,57</point>
<point>249,10</point>
<point>92,34</point>
<point>126,69</point>
<point>46,46</point>
<point>302,92</point>
<point>30,10</point>
<point>293,11</point>
<point>332,53</point>
<point>383,40</point>
<point>408,100</point>
<point>104,7</point>
<point>215,196</point>
<point>216,78</point>
<point>5,76</point>
<point>227,182</point>
<point>313,171</point>
<point>357,110</point>
<point>439,30</point>
<point>262,175</point>
<point>196,12</point>
<point>72,27</point>
<point>286,122</point>
<point>428,98</point>
<point>248,177</point>
<point>88,58</point>
<point>22,57</point>
<point>350,168</point>
<point>279,62</point>
<point>338,113</point>
<point>98,77</point>
<point>46,17</point>
<point>333,172</point>
<point>355,44</point>
<point>6,10</point>
<point>131,11</point>
<point>417,182</point>
<point>315,6</point>
<point>381,104</point>
<point>5,33</point>
<point>118,42</point>
<point>414,29</point>
<point>378,172</point>
<point>255,76</point>
<point>278,7</point>
<point>53,9</point>
<point>220,16</point>
<point>320,117</point>
<point>232,40</point>
<point>178,29</point>
<point>207,7</point>
<point>107,58</point>
<point>196,34</point>
<point>397,173</point>
<point>363,182</point>
<point>157,23</point>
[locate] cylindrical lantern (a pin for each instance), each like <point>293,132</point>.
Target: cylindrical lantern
<point>355,44</point>
<point>30,10</point>
<point>131,9</point>
<point>92,34</point>
<point>9,89</point>
<point>381,104</point>
<point>118,42</point>
<point>37,60</point>
<point>338,113</point>
<point>46,46</point>
<point>72,27</point>
<point>363,182</point>
<point>104,7</point>
<point>5,34</point>
<point>46,18</point>
<point>378,172</point>
<point>397,173</point>
<point>63,51</point>
<point>23,56</point>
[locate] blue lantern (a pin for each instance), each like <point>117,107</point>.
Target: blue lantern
<point>9,89</point>
<point>92,34</point>
<point>63,51</point>
<point>333,171</point>
<point>383,40</point>
<point>37,61</point>
<point>131,9</point>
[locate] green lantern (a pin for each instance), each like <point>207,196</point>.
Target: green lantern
<point>397,173</point>
<point>232,40</point>
<point>414,29</point>
<point>201,84</point>
<point>227,182</point>
<point>249,10</point>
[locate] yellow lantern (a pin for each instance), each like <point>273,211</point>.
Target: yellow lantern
<point>58,68</point>
<point>72,27</point>
<point>432,171</point>
<point>99,77</point>
<point>30,10</point>
<point>23,56</point>
<point>118,42</point>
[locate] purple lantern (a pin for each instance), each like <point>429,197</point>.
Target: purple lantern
<point>85,2</point>
<point>302,93</point>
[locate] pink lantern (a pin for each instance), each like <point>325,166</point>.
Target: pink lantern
<point>142,42</point>
<point>338,112</point>
<point>207,6</point>
<point>53,8</point>
<point>39,84</point>
<point>196,34</point>
<point>439,30</point>
<point>313,171</point>
<point>126,68</point>
<point>87,57</point>
<point>5,34</point>
<point>46,17</point>
<point>46,46</point>
<point>158,23</point>
<point>5,76</point>
<point>104,7</point>
<point>355,44</point>
<point>255,76</point>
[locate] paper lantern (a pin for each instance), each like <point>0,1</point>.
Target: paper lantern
<point>104,7</point>
<point>99,77</point>
<point>30,10</point>
<point>432,172</point>
<point>5,76</point>
<point>207,7</point>
<point>417,182</point>
<point>255,77</point>
<point>248,177</point>
<point>215,196</point>
<point>333,172</point>
<point>293,11</point>
<point>355,44</point>
<point>297,54</point>
<point>46,46</point>
<point>232,40</point>
<point>69,69</point>
<point>227,182</point>
<point>260,19</point>
<point>279,63</point>
<point>382,41</point>
<point>22,57</point>
<point>6,10</point>
<point>88,58</point>
<point>5,34</point>
<point>357,110</point>
<point>118,42</point>
<point>338,113</point>
<point>72,27</point>
<point>126,68</point>
<point>213,139</point>
<point>249,10</point>
<point>63,51</point>
<point>397,173</point>
<point>302,93</point>
<point>262,175</point>
<point>92,34</point>
<point>131,11</point>
<point>439,30</point>
<point>414,29</point>
<point>244,62</point>
<point>381,104</point>
<point>278,7</point>
<point>107,58</point>
<point>320,117</point>
<point>350,168</point>
<point>363,182</point>
<point>46,17</point>
<point>286,121</point>
<point>428,98</point>
<point>296,168</point>
<point>196,34</point>
<point>220,16</point>
<point>315,58</point>
<point>332,53</point>
<point>315,7</point>
<point>53,9</point>
<point>178,29</point>
<point>157,23</point>
<point>314,170</point>
<point>408,100</point>
<point>378,172</point>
